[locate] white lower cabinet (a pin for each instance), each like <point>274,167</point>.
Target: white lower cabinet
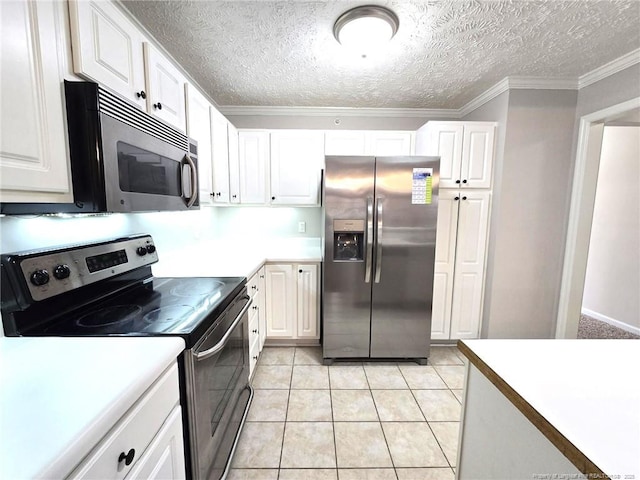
<point>147,442</point>
<point>255,289</point>
<point>463,224</point>
<point>292,299</point>
<point>34,165</point>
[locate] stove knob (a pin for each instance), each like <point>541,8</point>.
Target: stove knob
<point>151,248</point>
<point>40,277</point>
<point>141,251</point>
<point>61,272</point>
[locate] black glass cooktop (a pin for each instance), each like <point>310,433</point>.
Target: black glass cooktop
<point>166,306</point>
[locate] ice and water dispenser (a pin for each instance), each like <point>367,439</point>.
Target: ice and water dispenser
<point>348,240</point>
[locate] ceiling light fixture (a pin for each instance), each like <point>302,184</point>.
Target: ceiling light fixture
<point>366,28</point>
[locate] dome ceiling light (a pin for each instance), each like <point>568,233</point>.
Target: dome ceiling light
<point>366,28</point>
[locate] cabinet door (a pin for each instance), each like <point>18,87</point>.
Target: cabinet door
<point>444,263</point>
<point>280,301</point>
<point>107,48</point>
<point>445,140</point>
<point>345,142</point>
<point>388,144</point>
<point>220,136</point>
<point>307,302</point>
<point>199,128</point>
<point>262,317</point>
<point>166,88</point>
<point>477,156</point>
<point>234,164</point>
<point>468,282</point>
<point>253,149</point>
<point>34,165</point>
<point>296,161</point>
<point>164,458</point>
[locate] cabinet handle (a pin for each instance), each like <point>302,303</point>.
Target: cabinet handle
<point>464,198</point>
<point>273,198</point>
<point>254,287</point>
<point>234,196</point>
<point>457,181</point>
<point>255,307</point>
<point>212,194</point>
<point>255,357</point>
<point>456,198</point>
<point>128,458</point>
<point>157,105</point>
<point>261,276</point>
<point>141,94</point>
<point>255,331</point>
<point>464,181</point>
<point>300,271</point>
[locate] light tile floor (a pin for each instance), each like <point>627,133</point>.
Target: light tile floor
<point>351,421</point>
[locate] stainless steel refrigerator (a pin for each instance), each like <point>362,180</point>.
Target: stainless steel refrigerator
<point>379,252</point>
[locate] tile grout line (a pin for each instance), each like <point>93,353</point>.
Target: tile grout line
<point>286,413</point>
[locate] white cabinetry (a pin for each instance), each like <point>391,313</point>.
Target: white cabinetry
<point>107,48</point>
<point>146,442</point>
<point>253,151</point>
<point>357,142</point>
<point>466,163</point>
<point>199,128</point>
<point>221,156</point>
<point>110,50</point>
<point>292,301</point>
<point>34,163</point>
<point>465,150</point>
<point>165,84</point>
<point>234,164</point>
<point>257,324</point>
<point>296,161</point>
<point>463,223</point>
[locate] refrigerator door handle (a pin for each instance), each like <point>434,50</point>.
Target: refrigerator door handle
<point>379,240</point>
<point>369,253</point>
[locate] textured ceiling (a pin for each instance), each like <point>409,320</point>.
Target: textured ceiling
<point>282,53</point>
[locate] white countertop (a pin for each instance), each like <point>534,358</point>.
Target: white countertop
<point>60,396</point>
<point>229,259</point>
<point>589,390</point>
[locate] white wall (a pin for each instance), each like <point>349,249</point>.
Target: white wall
<point>612,284</point>
<point>526,247</point>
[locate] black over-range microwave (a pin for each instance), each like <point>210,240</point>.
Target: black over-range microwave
<point>122,159</point>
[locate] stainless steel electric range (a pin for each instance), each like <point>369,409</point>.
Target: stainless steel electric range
<point>107,289</point>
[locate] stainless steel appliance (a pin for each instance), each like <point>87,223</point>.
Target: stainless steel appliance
<point>379,252</point>
<point>106,289</point>
<point>122,159</point>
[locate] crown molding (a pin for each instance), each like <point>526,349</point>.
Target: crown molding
<point>488,95</point>
<point>229,110</point>
<point>543,83</point>
<point>610,68</point>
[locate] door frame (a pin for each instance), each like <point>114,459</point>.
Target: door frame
<point>583,193</point>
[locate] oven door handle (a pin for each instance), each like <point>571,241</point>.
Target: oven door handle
<point>223,341</point>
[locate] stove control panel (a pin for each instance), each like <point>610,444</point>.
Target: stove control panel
<point>49,273</point>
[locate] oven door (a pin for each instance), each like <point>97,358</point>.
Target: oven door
<point>217,374</point>
<point>144,173</point>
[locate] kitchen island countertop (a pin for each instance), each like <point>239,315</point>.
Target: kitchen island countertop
<point>60,396</point>
<point>583,395</point>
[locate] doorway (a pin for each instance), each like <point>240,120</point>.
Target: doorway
<point>581,214</point>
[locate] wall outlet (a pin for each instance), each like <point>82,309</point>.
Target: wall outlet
<point>302,227</point>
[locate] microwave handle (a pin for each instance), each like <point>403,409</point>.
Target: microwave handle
<point>194,181</point>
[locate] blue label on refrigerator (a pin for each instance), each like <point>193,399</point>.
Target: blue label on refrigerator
<point>422,186</point>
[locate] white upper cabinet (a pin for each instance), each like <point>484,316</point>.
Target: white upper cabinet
<point>221,156</point>
<point>253,150</point>
<point>465,150</point>
<point>345,142</point>
<point>165,84</point>
<point>296,162</point>
<point>371,142</point>
<point>34,164</point>
<point>107,48</point>
<point>234,164</point>
<point>388,144</point>
<point>199,128</point>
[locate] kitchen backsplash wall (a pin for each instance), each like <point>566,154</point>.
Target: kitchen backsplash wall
<point>170,230</point>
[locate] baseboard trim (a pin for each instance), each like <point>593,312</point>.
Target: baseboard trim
<point>611,321</point>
